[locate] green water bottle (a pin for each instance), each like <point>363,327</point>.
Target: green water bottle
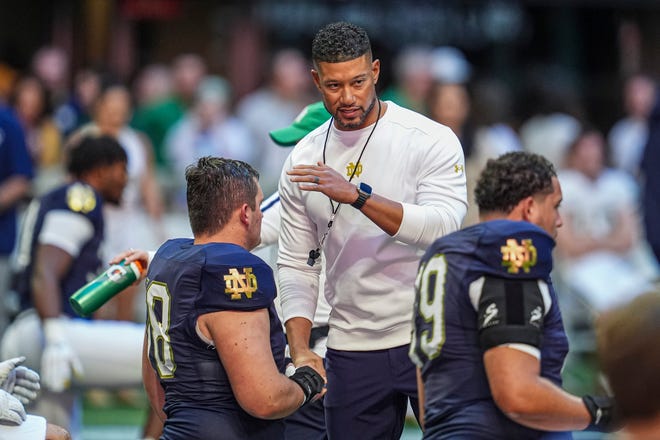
<point>94,294</point>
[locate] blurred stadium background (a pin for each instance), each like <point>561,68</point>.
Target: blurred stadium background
<point>578,50</point>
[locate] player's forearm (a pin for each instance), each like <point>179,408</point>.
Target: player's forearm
<point>268,395</point>
<point>545,406</point>
<point>280,401</point>
<point>51,264</point>
<point>46,295</point>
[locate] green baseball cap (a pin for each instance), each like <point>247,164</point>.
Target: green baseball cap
<point>309,118</point>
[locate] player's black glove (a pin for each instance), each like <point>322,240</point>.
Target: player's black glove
<point>603,413</point>
<point>309,380</point>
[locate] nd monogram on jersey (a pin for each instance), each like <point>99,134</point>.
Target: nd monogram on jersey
<point>81,198</point>
<point>239,284</point>
<point>517,256</point>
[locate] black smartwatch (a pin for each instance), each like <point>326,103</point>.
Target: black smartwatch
<point>364,192</point>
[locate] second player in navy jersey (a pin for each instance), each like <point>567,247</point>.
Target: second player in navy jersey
<point>308,423</point>
<point>58,253</point>
<point>488,338</point>
<point>185,281</point>
<point>484,286</point>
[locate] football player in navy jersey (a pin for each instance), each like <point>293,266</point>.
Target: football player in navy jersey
<point>488,336</point>
<point>309,422</point>
<point>58,252</point>
<point>214,352</point>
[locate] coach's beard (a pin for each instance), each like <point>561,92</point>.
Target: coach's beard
<point>358,124</point>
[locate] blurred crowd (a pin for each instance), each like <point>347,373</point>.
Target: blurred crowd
<point>173,113</point>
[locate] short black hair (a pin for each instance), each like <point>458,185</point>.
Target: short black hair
<point>215,188</point>
<point>339,42</point>
<point>94,152</point>
<point>510,178</point>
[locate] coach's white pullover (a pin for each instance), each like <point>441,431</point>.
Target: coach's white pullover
<point>370,275</point>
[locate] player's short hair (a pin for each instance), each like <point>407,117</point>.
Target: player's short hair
<point>93,152</point>
<point>510,178</point>
<point>215,188</point>
<point>628,354</point>
<point>339,42</point>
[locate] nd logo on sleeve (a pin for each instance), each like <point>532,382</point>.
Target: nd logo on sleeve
<point>517,256</point>
<point>237,284</point>
<point>80,198</point>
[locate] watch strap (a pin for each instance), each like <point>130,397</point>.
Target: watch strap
<point>364,192</point>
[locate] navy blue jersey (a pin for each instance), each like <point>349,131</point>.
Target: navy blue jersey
<point>185,281</point>
<point>69,217</point>
<point>477,288</point>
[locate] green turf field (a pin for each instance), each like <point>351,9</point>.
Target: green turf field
<point>114,419</point>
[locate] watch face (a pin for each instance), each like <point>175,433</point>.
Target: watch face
<point>364,187</point>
